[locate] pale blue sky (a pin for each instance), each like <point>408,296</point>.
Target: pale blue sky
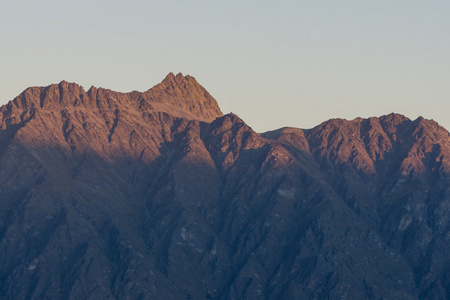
<point>274,63</point>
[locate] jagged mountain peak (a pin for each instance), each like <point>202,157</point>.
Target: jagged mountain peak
<point>394,118</point>
<point>171,77</point>
<point>183,93</point>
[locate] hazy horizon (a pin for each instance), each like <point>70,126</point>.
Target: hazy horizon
<point>294,63</point>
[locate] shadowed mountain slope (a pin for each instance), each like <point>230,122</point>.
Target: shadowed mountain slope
<point>157,195</point>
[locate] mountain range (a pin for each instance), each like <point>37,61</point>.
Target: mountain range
<point>158,195</point>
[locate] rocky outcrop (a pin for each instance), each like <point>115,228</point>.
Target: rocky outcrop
<point>157,195</point>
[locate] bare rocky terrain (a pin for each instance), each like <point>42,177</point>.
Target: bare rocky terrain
<point>158,195</point>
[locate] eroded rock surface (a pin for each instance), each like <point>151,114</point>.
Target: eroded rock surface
<point>157,195</point>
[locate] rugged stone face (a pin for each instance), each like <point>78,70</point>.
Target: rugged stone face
<point>157,195</point>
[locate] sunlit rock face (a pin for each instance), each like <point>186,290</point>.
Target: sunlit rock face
<point>158,195</point>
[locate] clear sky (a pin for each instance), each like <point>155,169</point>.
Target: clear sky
<point>273,63</point>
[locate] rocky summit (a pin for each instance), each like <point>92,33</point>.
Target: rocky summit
<point>158,195</point>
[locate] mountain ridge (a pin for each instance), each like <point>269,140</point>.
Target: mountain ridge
<point>158,195</point>
<point>182,92</point>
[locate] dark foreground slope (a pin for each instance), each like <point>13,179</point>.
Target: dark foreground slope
<point>157,195</point>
